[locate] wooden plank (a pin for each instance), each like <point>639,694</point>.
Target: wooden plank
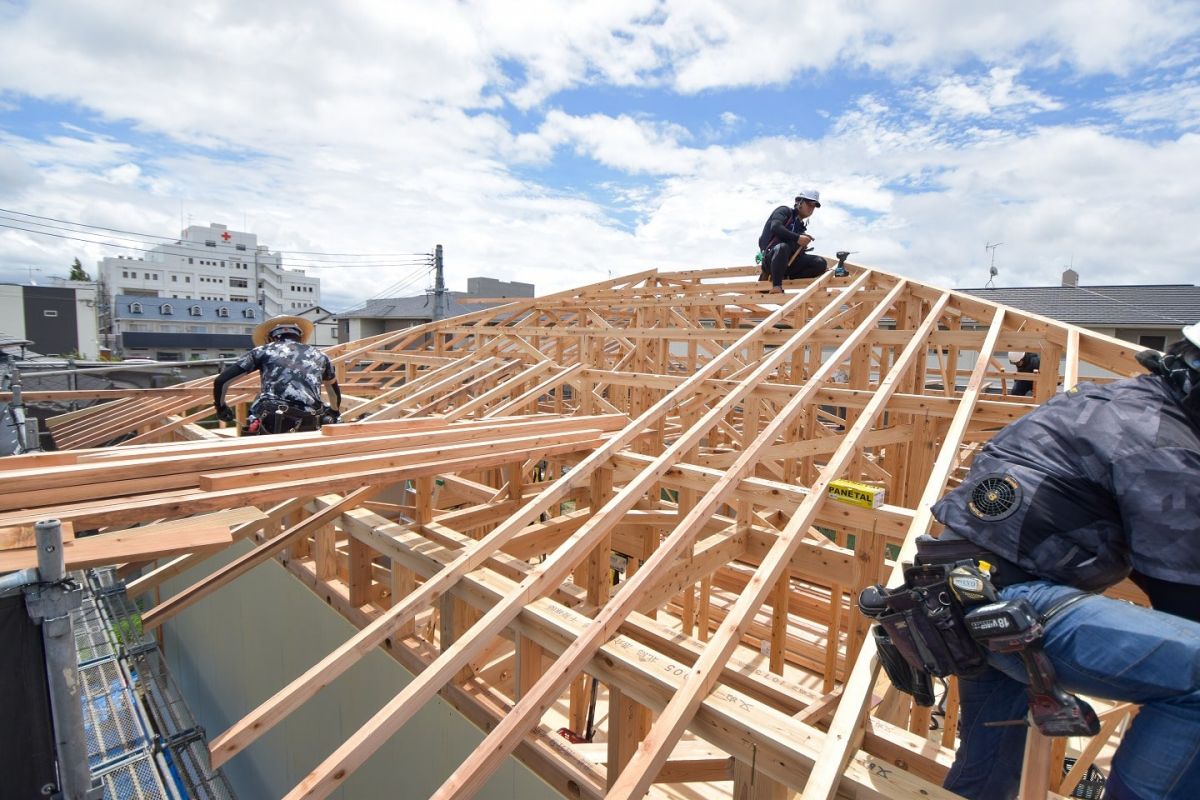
<point>134,544</point>
<point>16,537</point>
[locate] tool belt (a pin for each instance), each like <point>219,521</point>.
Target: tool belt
<point>953,550</point>
<point>920,624</point>
<point>280,416</point>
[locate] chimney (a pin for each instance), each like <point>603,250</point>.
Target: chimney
<point>1070,277</point>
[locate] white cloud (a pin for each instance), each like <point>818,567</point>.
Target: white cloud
<point>1176,105</point>
<point>981,96</point>
<point>387,127</point>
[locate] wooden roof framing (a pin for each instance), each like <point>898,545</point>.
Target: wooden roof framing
<point>466,514</point>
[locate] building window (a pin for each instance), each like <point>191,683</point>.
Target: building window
<point>1153,342</point>
<point>197,329</point>
<point>174,279</point>
<point>135,308</point>
<point>240,246</point>
<point>194,311</point>
<point>240,283</point>
<point>248,313</point>
<point>165,309</point>
<point>190,261</point>
<point>210,243</point>
<point>187,278</point>
<point>124,273</point>
<point>49,312</point>
<point>222,312</point>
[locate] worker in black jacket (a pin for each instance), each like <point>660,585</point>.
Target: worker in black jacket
<point>1024,362</point>
<point>784,233</point>
<point>1100,482</point>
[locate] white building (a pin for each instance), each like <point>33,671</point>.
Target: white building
<point>207,263</point>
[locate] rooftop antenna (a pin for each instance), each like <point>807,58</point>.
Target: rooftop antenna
<point>992,271</point>
<point>32,270</point>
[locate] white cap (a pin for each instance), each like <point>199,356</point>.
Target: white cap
<point>1014,357</point>
<point>810,194</point>
<point>1192,334</point>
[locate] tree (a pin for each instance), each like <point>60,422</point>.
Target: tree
<point>78,273</point>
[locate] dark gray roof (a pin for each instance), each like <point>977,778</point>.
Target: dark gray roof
<point>1167,305</point>
<point>419,307</point>
<point>152,308</point>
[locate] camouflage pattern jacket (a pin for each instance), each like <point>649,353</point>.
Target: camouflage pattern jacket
<point>291,371</point>
<point>1097,480</point>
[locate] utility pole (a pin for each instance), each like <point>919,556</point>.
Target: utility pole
<point>439,285</point>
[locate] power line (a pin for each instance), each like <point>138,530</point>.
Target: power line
<point>170,239</point>
<point>185,250</point>
<point>393,290</point>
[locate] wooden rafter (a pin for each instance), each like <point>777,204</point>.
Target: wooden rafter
<point>680,427</point>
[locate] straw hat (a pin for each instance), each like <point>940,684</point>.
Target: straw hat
<point>262,331</point>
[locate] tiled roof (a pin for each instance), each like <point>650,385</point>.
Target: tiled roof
<point>152,309</point>
<point>1167,305</point>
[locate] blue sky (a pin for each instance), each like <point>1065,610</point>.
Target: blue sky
<point>561,142</point>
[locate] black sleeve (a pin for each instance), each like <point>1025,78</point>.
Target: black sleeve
<point>779,221</point>
<point>775,229</point>
<point>232,371</point>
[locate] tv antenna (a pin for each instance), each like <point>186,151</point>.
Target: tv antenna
<point>992,271</point>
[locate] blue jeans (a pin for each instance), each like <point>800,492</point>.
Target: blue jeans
<point>1103,648</point>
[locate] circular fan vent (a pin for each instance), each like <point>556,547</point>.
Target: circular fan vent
<point>995,497</point>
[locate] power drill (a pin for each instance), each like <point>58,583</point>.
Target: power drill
<point>840,270</point>
<point>1013,626</point>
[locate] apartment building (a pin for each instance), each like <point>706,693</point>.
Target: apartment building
<point>217,269</point>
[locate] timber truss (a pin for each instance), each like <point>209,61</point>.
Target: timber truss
<point>612,499</point>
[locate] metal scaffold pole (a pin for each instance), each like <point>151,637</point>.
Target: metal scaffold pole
<point>50,603</point>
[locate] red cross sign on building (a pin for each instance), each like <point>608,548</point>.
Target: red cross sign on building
<point>226,236</point>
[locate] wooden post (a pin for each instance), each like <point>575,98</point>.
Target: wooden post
<point>628,724</point>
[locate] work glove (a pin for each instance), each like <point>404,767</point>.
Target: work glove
<point>225,413</point>
<point>330,415</point>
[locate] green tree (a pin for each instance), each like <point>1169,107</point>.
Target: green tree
<point>78,273</point>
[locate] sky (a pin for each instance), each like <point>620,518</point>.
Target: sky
<point>560,143</point>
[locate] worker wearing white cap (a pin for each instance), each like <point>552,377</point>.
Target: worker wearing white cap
<point>785,233</point>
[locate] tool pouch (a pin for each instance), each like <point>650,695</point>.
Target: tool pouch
<point>923,623</point>
<point>277,416</point>
<point>903,675</point>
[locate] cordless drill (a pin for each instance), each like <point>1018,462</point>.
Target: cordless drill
<point>840,270</point>
<point>1013,626</point>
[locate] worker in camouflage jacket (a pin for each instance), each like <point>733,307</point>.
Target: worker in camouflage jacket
<point>292,373</point>
<point>1099,483</point>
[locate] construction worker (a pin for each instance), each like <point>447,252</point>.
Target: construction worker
<point>783,235</point>
<point>1024,362</point>
<point>1099,482</point>
<point>292,372</point>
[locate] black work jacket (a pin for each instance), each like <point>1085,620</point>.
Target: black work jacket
<point>782,226</point>
<point>1095,481</point>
